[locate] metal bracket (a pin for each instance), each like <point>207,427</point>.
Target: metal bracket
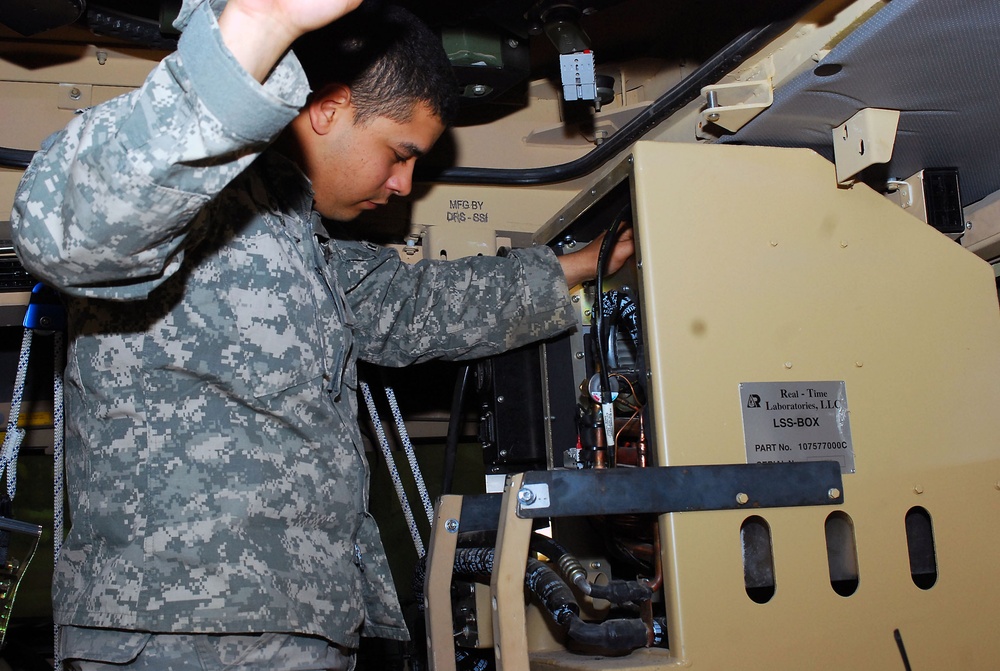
<point>666,489</point>
<point>733,105</point>
<point>45,310</point>
<point>530,497</point>
<point>865,139</point>
<point>75,96</point>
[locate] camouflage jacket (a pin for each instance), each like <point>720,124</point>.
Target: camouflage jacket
<point>217,477</point>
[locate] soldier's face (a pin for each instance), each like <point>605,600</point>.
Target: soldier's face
<point>357,167</point>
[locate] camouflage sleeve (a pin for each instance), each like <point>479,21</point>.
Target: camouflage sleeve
<point>107,206</point>
<point>460,309</point>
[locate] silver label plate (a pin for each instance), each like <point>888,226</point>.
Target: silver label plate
<point>797,421</point>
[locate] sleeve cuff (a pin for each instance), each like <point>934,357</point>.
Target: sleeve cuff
<point>245,107</point>
<point>544,279</point>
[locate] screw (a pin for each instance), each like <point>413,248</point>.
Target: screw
<point>742,499</point>
<point>526,496</point>
<point>499,399</point>
<point>478,89</point>
<point>75,94</point>
<point>451,526</point>
<point>576,299</point>
<point>512,43</point>
<point>834,493</point>
<point>102,57</point>
<point>917,489</point>
<point>579,355</point>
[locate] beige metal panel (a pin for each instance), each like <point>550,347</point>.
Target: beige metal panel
<point>757,268</point>
<point>38,78</point>
<point>983,234</point>
<point>54,63</point>
<point>33,111</point>
<point>437,584</point>
<point>9,179</point>
<point>466,220</point>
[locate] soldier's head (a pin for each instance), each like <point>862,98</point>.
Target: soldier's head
<point>389,58</point>
<point>383,91</point>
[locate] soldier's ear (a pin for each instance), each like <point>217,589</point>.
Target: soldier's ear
<point>329,106</point>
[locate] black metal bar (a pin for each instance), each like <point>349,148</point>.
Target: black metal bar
<point>622,491</point>
<point>480,512</point>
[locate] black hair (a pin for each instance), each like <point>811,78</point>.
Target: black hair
<point>389,58</point>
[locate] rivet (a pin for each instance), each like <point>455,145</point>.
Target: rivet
<point>859,364</point>
<point>788,364</point>
<point>917,489</point>
<point>843,244</point>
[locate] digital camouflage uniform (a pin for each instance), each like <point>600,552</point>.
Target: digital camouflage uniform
<point>217,475</point>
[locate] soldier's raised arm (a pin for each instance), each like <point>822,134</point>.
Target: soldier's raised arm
<point>258,32</point>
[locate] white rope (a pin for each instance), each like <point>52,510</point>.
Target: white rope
<point>15,434</point>
<point>411,455</point>
<point>59,485</point>
<point>393,471</point>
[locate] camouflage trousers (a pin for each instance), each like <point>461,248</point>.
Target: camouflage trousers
<point>85,649</point>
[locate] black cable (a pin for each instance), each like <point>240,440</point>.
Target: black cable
<point>598,311</point>
<point>454,428</point>
<point>15,158</point>
<point>902,649</point>
<point>729,57</point>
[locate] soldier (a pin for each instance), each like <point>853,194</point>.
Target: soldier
<point>217,479</point>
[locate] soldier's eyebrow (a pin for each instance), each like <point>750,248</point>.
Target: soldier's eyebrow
<point>410,150</point>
